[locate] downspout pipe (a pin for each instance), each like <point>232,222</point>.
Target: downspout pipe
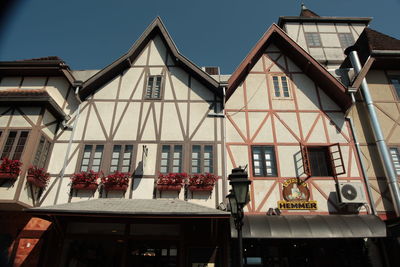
<point>378,135</point>
<point>72,135</point>
<point>363,170</point>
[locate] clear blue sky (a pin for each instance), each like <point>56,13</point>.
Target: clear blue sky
<point>90,34</point>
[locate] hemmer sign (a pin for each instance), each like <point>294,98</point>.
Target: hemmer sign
<point>296,196</point>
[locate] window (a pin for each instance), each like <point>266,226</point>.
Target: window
<point>396,84</point>
<point>202,159</point>
<point>92,157</point>
<point>171,159</point>
<point>153,89</point>
<point>346,40</point>
<point>281,86</point>
<point>121,158</point>
<point>264,163</point>
<point>42,153</point>
<point>15,144</point>
<point>319,161</point>
<point>395,153</point>
<point>313,39</point>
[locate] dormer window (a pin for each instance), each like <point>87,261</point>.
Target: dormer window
<point>281,87</point>
<point>153,88</point>
<point>346,40</point>
<point>313,39</point>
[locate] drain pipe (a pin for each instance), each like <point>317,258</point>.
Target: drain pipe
<point>359,154</point>
<point>378,135</point>
<point>72,134</point>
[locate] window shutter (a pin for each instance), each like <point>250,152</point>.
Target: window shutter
<point>306,160</point>
<point>336,160</point>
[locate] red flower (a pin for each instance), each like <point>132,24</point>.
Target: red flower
<point>39,174</point>
<point>207,179</point>
<point>10,166</point>
<point>171,179</point>
<point>89,177</point>
<point>117,178</point>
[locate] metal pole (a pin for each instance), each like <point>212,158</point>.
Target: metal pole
<point>239,224</point>
<point>378,135</point>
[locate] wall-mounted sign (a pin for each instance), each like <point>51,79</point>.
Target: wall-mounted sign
<point>296,196</point>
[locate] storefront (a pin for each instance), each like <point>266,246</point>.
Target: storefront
<point>114,232</point>
<point>312,240</point>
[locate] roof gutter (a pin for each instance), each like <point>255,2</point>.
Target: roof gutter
<point>385,53</point>
<point>378,135</point>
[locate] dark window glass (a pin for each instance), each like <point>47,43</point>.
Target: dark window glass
<point>264,163</point>
<point>396,84</point>
<point>319,161</point>
<point>15,144</point>
<point>42,153</point>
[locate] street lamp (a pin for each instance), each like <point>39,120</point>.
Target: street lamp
<point>238,198</point>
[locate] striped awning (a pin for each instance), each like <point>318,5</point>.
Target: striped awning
<point>311,226</point>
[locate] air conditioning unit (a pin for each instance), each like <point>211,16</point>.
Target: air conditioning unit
<point>351,193</point>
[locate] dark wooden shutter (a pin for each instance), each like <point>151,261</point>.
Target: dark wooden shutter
<point>306,160</point>
<point>336,160</point>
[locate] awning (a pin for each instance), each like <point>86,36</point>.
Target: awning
<point>311,226</point>
<point>132,208</point>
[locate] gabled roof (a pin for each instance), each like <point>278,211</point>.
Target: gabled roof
<point>51,65</point>
<point>307,13</point>
<point>125,61</point>
<point>328,83</point>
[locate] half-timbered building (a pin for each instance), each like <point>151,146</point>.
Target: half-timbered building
<point>151,116</point>
<point>285,117</point>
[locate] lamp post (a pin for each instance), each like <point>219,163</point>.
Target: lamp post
<point>238,198</point>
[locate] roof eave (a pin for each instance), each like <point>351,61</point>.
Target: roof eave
<point>283,19</point>
<point>36,68</point>
<point>126,60</point>
<point>310,66</point>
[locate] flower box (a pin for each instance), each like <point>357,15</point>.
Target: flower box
<point>117,181</point>
<point>37,176</point>
<point>32,180</point>
<point>116,187</point>
<point>85,186</point>
<point>200,188</point>
<point>202,182</point>
<point>85,180</point>
<point>169,187</point>
<point>10,169</point>
<point>8,175</point>
<point>171,181</point>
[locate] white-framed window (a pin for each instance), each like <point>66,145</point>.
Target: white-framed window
<point>171,159</point>
<point>264,163</point>
<point>92,158</point>
<point>346,39</point>
<point>281,86</point>
<point>313,39</point>
<point>153,87</point>
<point>202,159</point>
<point>395,154</point>
<point>121,158</point>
